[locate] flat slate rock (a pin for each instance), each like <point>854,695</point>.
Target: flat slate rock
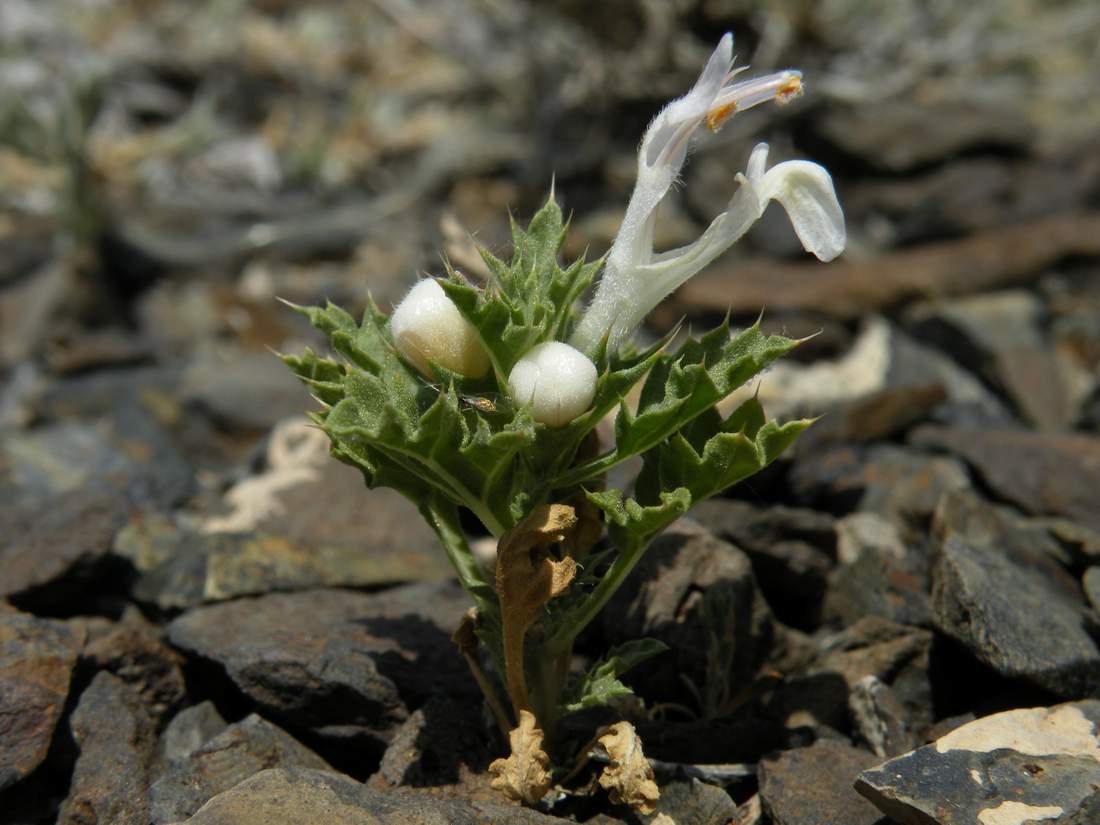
<point>299,796</point>
<point>1020,766</point>
<point>240,751</point>
<point>189,730</point>
<point>1013,619</point>
<point>37,657</point>
<point>687,582</point>
<point>813,786</point>
<point>342,664</point>
<point>117,744</point>
<point>1043,474</point>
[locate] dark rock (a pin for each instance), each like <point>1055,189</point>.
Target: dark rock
<point>813,786</point>
<point>791,549</point>
<point>442,743</point>
<point>879,573</point>
<point>245,390</point>
<point>880,718</point>
<point>190,729</point>
<point>294,796</point>
<point>1040,474</point>
<point>897,655</point>
<point>125,452</point>
<point>742,737</point>
<point>1091,583</point>
<point>50,549</point>
<point>997,336</point>
<point>240,751</point>
<point>337,663</point>
<point>900,484</point>
<point>37,657</point>
<point>697,594</point>
<point>132,649</point>
<point>899,135</point>
<point>693,802</point>
<point>117,744</point>
<point>1012,619</point>
<point>1029,765</point>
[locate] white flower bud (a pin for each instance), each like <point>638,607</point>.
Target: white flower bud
<point>427,327</point>
<point>559,382</point>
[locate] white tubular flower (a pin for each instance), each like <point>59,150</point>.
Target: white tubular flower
<point>558,382</point>
<point>428,328</point>
<point>635,279</point>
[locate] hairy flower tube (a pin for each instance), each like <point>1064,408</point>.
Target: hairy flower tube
<point>558,381</point>
<point>427,328</point>
<point>635,279</point>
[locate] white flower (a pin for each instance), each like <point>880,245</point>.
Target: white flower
<point>558,382</point>
<point>428,328</point>
<point>635,279</point>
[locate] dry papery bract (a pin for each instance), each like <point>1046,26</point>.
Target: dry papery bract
<point>523,776</point>
<point>628,776</point>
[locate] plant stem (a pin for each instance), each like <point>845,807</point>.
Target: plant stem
<point>443,518</point>
<point>562,640</point>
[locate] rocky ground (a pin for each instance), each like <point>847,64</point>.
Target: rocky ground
<point>204,619</point>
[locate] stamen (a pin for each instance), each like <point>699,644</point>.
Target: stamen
<point>718,116</point>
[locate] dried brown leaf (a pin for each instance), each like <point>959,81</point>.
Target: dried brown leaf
<point>628,776</point>
<point>527,578</point>
<point>523,776</point>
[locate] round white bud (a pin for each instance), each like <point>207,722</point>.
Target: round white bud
<point>427,327</point>
<point>558,381</point>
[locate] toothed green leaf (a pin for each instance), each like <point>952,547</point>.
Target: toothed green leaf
<point>601,685</point>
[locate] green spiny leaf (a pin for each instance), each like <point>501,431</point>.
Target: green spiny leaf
<point>601,685</point>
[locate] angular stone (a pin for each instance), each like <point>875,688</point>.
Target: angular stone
<point>341,664</point>
<point>442,743</point>
<point>242,750</point>
<point>1040,474</point>
<point>189,730</point>
<point>813,786</point>
<point>997,336</point>
<point>1027,765</point>
<point>133,650</point>
<point>1012,619</point>
<point>695,593</point>
<point>245,390</point>
<point>37,657</point>
<point>294,796</point>
<point>903,485</point>
<point>879,573</point>
<point>880,718</point>
<point>117,744</point>
<point>792,551</point>
<point>51,548</point>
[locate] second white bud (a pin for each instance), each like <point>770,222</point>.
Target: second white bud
<point>558,381</point>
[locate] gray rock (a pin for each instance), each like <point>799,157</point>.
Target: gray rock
<point>294,796</point>
<point>37,657</point>
<point>133,650</point>
<point>242,750</point>
<point>813,786</point>
<point>692,802</point>
<point>792,551</point>
<point>190,729</point>
<point>117,744</point>
<point>897,655</point>
<point>338,663</point>
<point>880,718</point>
<point>51,548</point>
<point>442,743</point>
<point>902,485</point>
<point>1012,619</point>
<point>997,336</point>
<point>1091,583</point>
<point>1027,765</point>
<point>1039,473</point>
<point>879,573</point>
<point>697,594</point>
<point>245,390</point>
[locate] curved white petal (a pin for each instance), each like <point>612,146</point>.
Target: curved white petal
<point>806,192</point>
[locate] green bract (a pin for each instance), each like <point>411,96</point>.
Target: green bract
<point>444,451</point>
